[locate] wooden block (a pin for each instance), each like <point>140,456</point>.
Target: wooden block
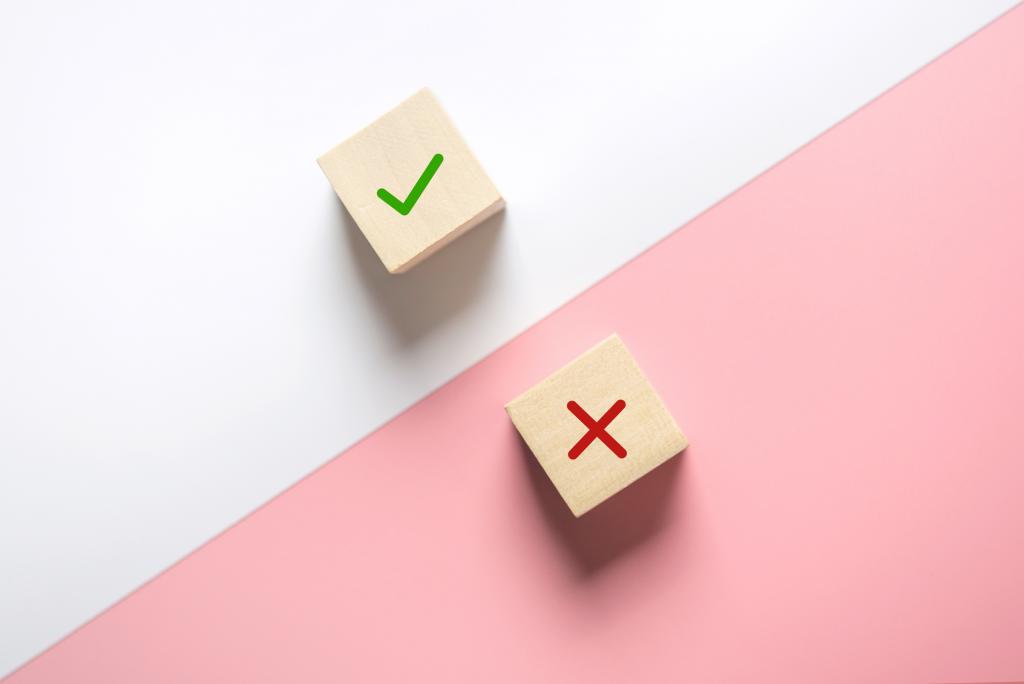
<point>602,389</point>
<point>393,153</point>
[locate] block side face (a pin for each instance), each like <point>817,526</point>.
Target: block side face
<point>452,236</point>
<point>596,381</point>
<point>392,153</point>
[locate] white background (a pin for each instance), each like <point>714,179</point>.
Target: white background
<point>189,322</point>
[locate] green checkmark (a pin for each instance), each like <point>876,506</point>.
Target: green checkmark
<point>405,207</point>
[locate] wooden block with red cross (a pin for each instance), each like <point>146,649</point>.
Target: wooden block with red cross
<point>596,425</point>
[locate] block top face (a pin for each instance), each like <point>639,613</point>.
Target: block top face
<point>612,399</point>
<point>395,153</point>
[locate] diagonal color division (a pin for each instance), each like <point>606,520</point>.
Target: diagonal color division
<point>841,337</point>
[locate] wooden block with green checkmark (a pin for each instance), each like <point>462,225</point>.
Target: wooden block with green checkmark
<point>410,182</point>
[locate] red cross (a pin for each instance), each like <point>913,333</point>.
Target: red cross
<point>596,429</point>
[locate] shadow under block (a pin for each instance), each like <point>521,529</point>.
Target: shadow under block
<point>597,383</point>
<point>393,153</point>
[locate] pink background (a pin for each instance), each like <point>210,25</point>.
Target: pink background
<point>841,341</point>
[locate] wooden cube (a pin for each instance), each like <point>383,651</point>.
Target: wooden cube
<point>596,425</point>
<point>410,182</point>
